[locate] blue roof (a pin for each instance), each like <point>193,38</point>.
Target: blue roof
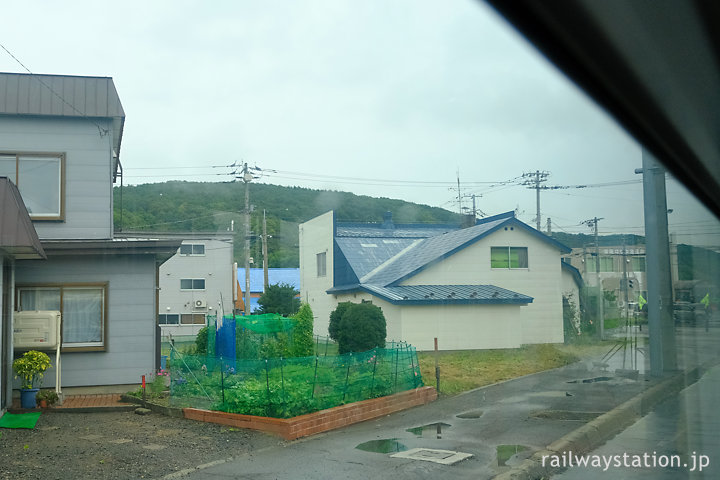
<point>365,254</point>
<point>377,257</point>
<point>447,294</point>
<point>290,276</point>
<point>426,252</point>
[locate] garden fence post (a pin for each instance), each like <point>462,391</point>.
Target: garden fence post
<point>282,384</point>
<point>347,376</point>
<point>397,361</point>
<point>372,385</point>
<point>412,363</point>
<point>326,345</point>
<point>222,380</point>
<point>315,379</point>
<point>267,385</point>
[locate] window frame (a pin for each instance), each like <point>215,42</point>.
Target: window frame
<point>509,249</point>
<point>192,250</point>
<point>160,315</point>
<point>192,288</point>
<point>74,347</point>
<point>321,264</point>
<point>192,316</point>
<point>61,187</point>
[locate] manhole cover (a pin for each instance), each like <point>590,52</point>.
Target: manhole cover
<point>444,457</point>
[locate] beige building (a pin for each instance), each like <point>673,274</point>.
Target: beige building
<point>498,284</point>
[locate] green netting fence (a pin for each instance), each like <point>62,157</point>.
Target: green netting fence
<point>288,387</point>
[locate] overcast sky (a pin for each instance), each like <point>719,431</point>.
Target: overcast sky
<point>383,98</point>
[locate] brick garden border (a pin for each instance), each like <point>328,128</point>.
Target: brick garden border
<point>322,421</point>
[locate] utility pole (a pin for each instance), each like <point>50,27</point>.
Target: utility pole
<point>265,254</point>
<point>549,226</point>
<point>247,177</point>
<point>593,223</point>
<point>534,179</point>
<point>659,279</point>
<point>459,195</point>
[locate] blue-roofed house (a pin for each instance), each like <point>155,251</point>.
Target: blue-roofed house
<point>497,284</point>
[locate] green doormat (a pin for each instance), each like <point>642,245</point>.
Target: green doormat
<point>19,420</point>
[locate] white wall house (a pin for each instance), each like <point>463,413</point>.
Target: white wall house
<point>497,284</point>
<point>196,282</point>
<point>60,139</point>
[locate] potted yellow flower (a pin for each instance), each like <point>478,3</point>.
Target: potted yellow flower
<point>30,368</point>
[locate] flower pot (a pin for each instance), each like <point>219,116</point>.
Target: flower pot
<point>43,403</point>
<point>27,397</point>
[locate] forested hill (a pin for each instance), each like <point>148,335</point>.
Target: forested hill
<point>198,206</point>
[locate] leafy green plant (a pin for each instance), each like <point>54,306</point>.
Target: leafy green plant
<point>362,327</point>
<point>280,298</point>
<point>31,368</point>
<point>335,316</point>
<point>50,396</point>
<point>303,345</point>
<point>201,341</point>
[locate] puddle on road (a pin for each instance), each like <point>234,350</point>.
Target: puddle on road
<point>591,380</point>
<point>429,430</point>
<point>386,445</point>
<point>504,452</point>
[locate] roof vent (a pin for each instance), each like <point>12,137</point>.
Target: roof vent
<point>515,295</point>
<point>495,294</point>
<point>473,295</point>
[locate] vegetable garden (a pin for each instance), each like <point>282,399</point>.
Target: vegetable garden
<point>234,377</point>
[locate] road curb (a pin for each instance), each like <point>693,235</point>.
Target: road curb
<point>598,431</point>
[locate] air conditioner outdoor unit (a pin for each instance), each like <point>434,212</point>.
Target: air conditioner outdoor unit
<point>200,304</point>
<point>36,330</point>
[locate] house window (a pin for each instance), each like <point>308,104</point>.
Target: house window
<point>508,257</point>
<point>168,319</point>
<point>192,284</point>
<point>192,249</point>
<point>638,264</point>
<point>606,264</point>
<point>192,319</point>
<point>83,308</point>
<point>321,259</point>
<point>39,178</point>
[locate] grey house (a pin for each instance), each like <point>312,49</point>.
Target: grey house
<point>60,139</point>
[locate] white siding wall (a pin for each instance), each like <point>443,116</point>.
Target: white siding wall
<point>462,327</point>
<point>570,288</point>
<point>542,319</point>
<point>131,318</point>
<point>457,327</point>
<point>316,236</point>
<point>215,267</point>
<point>88,175</point>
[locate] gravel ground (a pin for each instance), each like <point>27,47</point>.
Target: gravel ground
<point>118,445</point>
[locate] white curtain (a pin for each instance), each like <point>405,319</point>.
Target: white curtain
<point>82,315</point>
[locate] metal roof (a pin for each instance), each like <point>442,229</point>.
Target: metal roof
<point>364,254</point>
<point>399,231</point>
<point>62,96</point>
<point>18,237</point>
<point>290,276</point>
<point>428,251</point>
<point>163,249</point>
<point>447,294</point>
